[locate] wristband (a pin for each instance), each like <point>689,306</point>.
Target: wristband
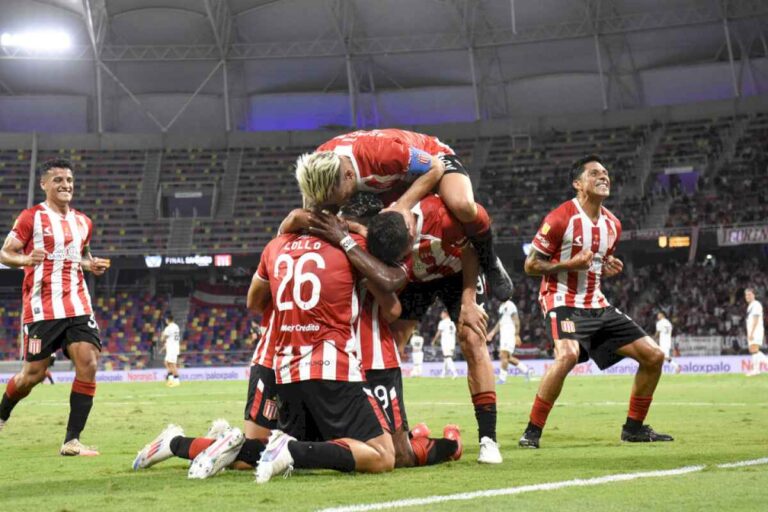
<point>347,243</point>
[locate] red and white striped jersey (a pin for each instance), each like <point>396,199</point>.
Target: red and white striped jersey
<point>56,288</point>
<point>377,347</point>
<point>264,354</point>
<point>565,232</point>
<point>382,158</point>
<point>439,241</point>
<point>316,307</point>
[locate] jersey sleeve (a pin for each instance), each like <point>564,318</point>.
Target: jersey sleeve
<point>89,225</point>
<point>612,248</point>
<point>23,227</point>
<point>550,235</point>
<point>262,272</point>
<point>388,156</point>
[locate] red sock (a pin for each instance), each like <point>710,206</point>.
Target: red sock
<point>198,445</point>
<point>480,225</point>
<point>638,407</point>
<point>13,393</point>
<point>84,388</point>
<point>540,411</point>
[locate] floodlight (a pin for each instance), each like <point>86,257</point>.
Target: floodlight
<point>37,40</point>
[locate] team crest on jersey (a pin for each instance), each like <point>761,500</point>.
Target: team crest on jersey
<point>567,325</point>
<point>270,409</point>
<point>35,346</point>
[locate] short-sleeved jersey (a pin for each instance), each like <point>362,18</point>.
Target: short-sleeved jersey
<point>264,353</point>
<point>755,310</point>
<point>377,349</point>
<point>440,238</point>
<point>664,328</point>
<point>383,158</point>
<point>447,330</point>
<point>565,232</point>
<point>417,343</point>
<point>56,288</point>
<point>507,310</point>
<point>316,308</point>
<point>171,333</point>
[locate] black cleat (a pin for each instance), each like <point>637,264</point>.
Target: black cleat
<point>530,439</point>
<point>499,281</point>
<point>644,435</point>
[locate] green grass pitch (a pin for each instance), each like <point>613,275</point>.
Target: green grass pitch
<point>715,419</point>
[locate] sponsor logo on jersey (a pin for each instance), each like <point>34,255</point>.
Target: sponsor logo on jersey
<point>567,325</point>
<point>47,231</point>
<point>545,228</point>
<point>542,241</point>
<point>578,242</point>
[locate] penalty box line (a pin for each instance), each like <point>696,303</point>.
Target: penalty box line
<point>551,486</point>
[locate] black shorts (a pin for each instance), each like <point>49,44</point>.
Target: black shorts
<point>600,332</point>
<point>43,338</point>
<point>261,404</point>
<point>453,165</point>
<point>324,410</point>
<point>387,388</point>
<point>418,297</point>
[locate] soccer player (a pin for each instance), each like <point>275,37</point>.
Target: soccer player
<point>405,166</point>
<point>446,331</point>
<point>755,331</point>
<point>417,354</point>
<point>322,399</point>
<point>438,263</point>
<point>51,242</point>
<point>508,328</point>
<point>573,251</point>
<point>664,335</point>
<point>170,338</point>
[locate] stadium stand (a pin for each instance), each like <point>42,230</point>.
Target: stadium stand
<point>14,179</point>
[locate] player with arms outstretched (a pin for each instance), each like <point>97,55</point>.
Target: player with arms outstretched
<point>572,252</point>
<point>51,242</point>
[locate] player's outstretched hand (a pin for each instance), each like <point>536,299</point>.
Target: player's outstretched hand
<point>612,266</point>
<point>474,317</point>
<point>328,227</point>
<point>36,257</point>
<point>581,261</point>
<point>99,265</point>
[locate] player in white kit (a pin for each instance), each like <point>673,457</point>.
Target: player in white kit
<point>171,346</point>
<point>755,331</point>
<point>664,337</point>
<point>446,330</point>
<point>417,353</point>
<point>508,328</point>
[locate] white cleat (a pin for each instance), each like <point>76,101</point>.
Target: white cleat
<point>489,452</point>
<point>159,449</point>
<point>276,458</point>
<point>217,428</point>
<point>218,456</point>
<point>74,448</point>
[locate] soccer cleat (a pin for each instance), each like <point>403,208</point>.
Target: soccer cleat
<point>489,452</point>
<point>644,435</point>
<point>159,449</point>
<point>499,281</point>
<point>276,458</point>
<point>217,428</point>
<point>217,456</point>
<point>530,439</point>
<point>752,373</point>
<point>453,433</point>
<point>74,447</point>
<point>420,430</point>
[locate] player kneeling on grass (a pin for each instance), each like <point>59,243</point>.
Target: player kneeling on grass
<point>322,398</point>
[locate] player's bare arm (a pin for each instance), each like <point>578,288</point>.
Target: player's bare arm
<point>539,264</point>
<point>89,263</point>
<point>493,332</point>
<point>296,221</point>
<point>11,254</point>
<point>259,295</point>
<point>334,230</point>
<point>389,305</point>
<point>518,340</point>
<point>423,185</point>
<point>472,315</point>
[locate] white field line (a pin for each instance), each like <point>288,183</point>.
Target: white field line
<point>606,404</point>
<point>551,486</point>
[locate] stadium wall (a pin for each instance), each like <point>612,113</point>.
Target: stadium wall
<point>689,365</point>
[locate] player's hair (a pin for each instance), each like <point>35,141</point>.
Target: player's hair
<point>55,163</point>
<point>750,289</point>
<point>578,166</point>
<point>388,237</point>
<point>169,317</point>
<point>318,175</point>
<point>362,205</point>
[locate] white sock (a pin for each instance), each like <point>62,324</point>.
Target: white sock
<point>503,375</point>
<point>522,367</point>
<point>757,357</point>
<point>451,366</point>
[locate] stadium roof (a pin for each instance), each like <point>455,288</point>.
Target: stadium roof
<point>318,46</point>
